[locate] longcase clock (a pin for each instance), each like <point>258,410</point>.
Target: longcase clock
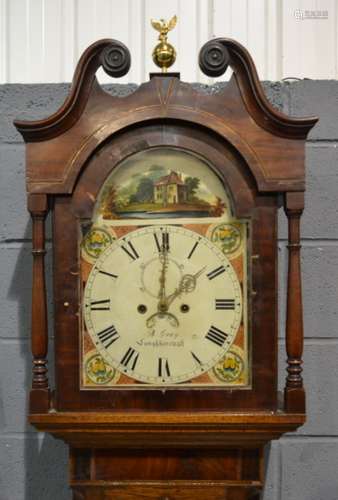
<point>164,206</point>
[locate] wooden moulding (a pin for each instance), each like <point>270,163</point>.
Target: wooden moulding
<point>228,52</point>
<point>155,430</point>
<point>271,143</point>
<point>100,53</point>
<point>219,53</point>
<point>168,490</point>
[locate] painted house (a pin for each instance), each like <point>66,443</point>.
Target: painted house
<point>170,189</point>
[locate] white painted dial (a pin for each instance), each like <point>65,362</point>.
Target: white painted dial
<point>162,304</point>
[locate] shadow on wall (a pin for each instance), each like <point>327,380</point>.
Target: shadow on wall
<point>271,484</point>
<point>45,460</point>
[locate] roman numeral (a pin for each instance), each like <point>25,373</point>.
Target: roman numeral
<point>130,358</point>
<point>216,336</point>
<point>108,336</point>
<point>157,242</point>
<point>108,274</point>
<point>198,361</point>
<point>130,251</point>
<point>216,272</point>
<point>193,249</point>
<point>163,367</point>
<point>165,241</point>
<point>162,243</point>
<point>227,304</point>
<point>100,305</point>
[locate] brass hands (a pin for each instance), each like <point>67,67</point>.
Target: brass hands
<point>161,307</point>
<point>187,284</point>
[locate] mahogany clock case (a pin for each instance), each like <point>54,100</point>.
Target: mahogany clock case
<point>258,154</point>
<point>261,210</point>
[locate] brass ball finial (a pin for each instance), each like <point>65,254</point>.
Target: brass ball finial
<point>164,54</point>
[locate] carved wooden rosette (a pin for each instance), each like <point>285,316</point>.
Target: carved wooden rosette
<point>223,430</point>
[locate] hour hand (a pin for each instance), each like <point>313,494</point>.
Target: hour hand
<point>186,285</point>
<point>188,281</point>
<point>162,303</point>
<point>198,274</point>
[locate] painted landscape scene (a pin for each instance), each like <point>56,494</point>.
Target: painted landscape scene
<point>159,192</point>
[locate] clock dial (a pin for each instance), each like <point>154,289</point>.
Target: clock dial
<point>163,304</point>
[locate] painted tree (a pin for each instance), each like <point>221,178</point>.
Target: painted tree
<point>218,209</point>
<point>192,184</point>
<point>109,202</point>
<point>144,192</point>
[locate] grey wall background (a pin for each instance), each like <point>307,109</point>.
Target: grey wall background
<point>302,466</point>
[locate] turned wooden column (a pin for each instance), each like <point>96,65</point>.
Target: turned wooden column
<point>39,396</point>
<point>294,390</point>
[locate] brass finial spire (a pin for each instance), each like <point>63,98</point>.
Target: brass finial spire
<point>164,54</point>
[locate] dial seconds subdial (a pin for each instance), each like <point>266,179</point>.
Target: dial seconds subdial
<point>163,304</point>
